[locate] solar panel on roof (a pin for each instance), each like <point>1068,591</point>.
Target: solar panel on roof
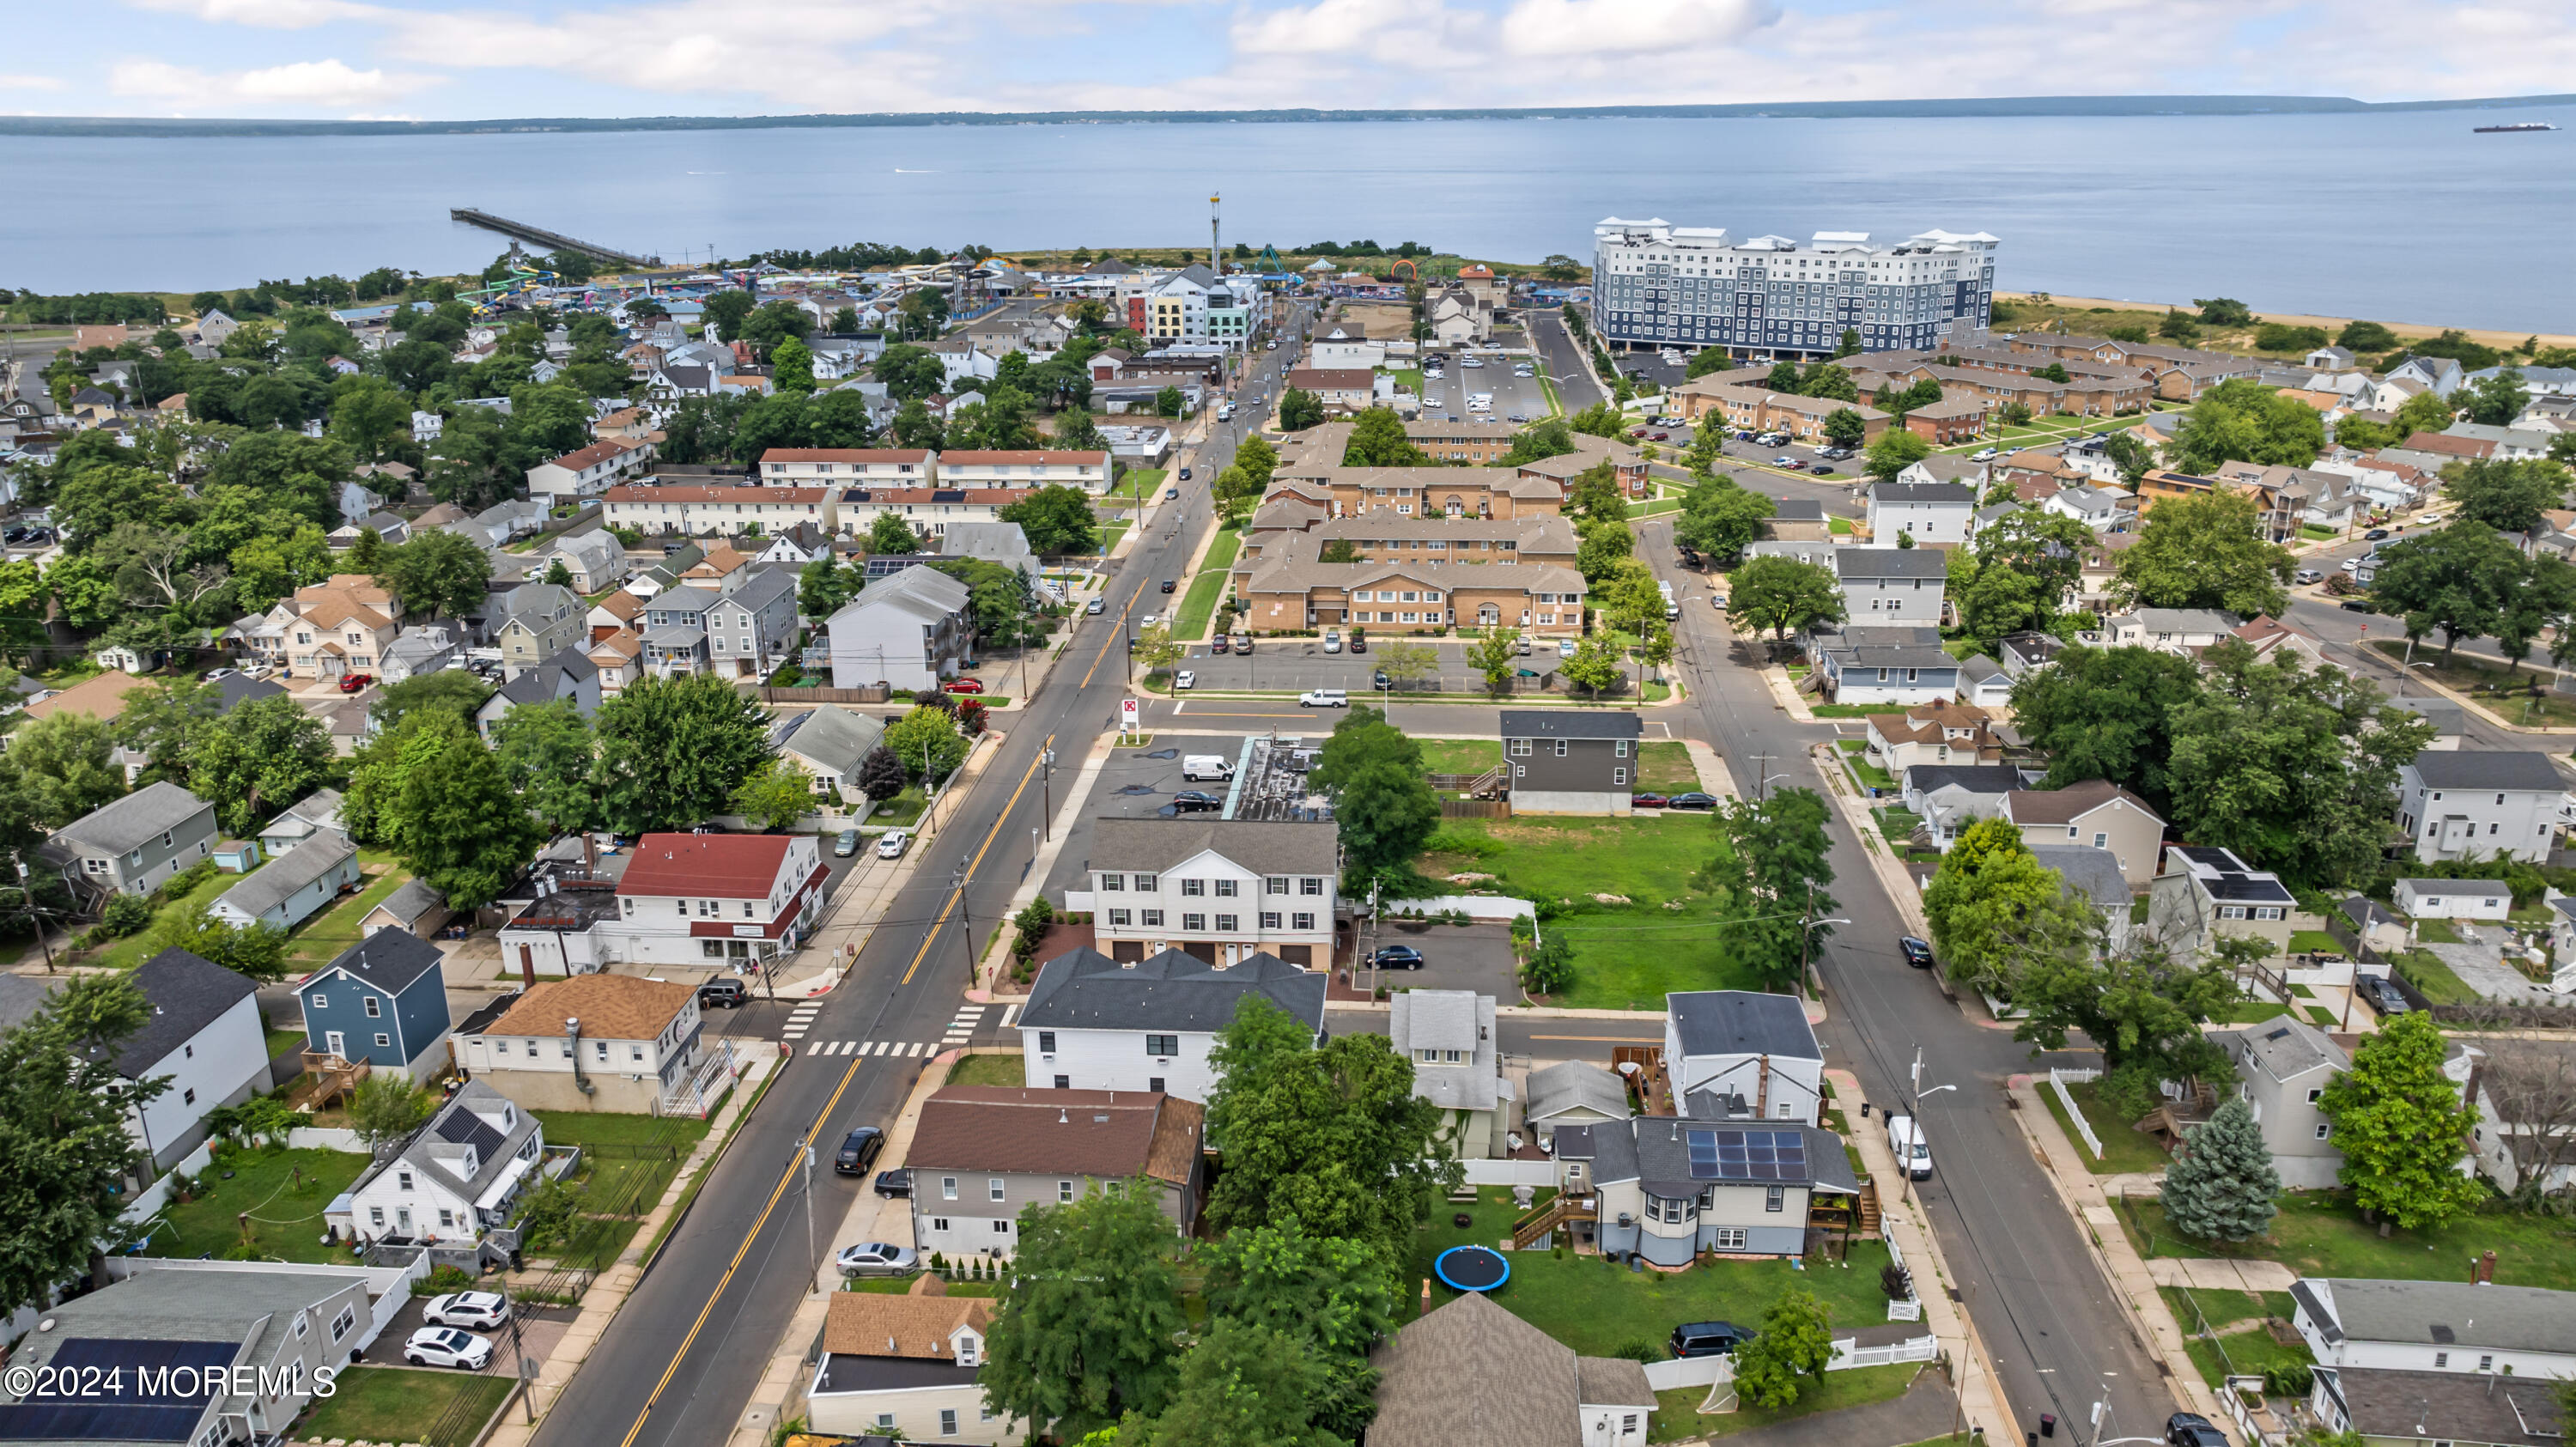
<point>1747,1155</point>
<point>161,1394</point>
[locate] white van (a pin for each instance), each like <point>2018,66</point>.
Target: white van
<point>1198,767</point>
<point>1913,1154</point>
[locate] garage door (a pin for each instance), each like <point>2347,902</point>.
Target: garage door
<point>1201,950</point>
<point>1302,956</point>
<point>1127,952</point>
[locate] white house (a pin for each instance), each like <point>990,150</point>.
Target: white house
<point>2171,629</point>
<point>1449,1037</point>
<point>908,1365</point>
<point>1086,470</point>
<point>205,1037</point>
<point>1094,1023</point>
<point>1224,890</point>
<point>714,900</point>
<point>293,887</point>
<point>2091,506</point>
<point>596,561</point>
<point>697,510</point>
<point>848,466</point>
<point>589,471</point>
<point>909,631</point>
<point>1934,512</point>
<point>590,1042</point>
<point>456,1178</point>
<point>2436,1326</point>
<point>2478,804</point>
<point>1738,1055</point>
<point>2488,899</point>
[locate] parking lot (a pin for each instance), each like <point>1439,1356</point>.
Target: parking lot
<point>1138,784</point>
<point>539,1329</point>
<point>1474,957</point>
<point>1446,398</point>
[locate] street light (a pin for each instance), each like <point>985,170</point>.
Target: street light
<point>1762,790</point>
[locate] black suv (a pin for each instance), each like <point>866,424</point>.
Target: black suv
<point>728,993</point>
<point>1708,1339</point>
<point>859,1150</point>
<point>2190,1429</point>
<point>1397,957</point>
<point>1193,801</point>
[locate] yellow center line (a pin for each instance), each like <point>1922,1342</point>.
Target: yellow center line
<point>999,820</point>
<point>775,1194</point>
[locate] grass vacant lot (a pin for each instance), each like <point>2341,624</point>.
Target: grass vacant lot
<point>130,951</point>
<point>2509,694</point>
<point>1665,767</point>
<point>2427,973</point>
<point>399,1404</point>
<point>1677,1412</point>
<point>2123,1149</point>
<point>988,1070</point>
<point>1460,756</point>
<point>2321,1234</point>
<point>610,1142</point>
<point>1207,587</point>
<point>323,937</point>
<point>284,1191</point>
<point>2223,1309</point>
<point>1626,956</point>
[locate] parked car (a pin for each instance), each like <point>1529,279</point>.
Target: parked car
<point>1913,1153</point>
<point>2355,605</point>
<point>1647,801</point>
<point>1397,957</point>
<point>1096,605</point>
<point>486,1309</point>
<point>1718,599</point>
<point>1332,640</point>
<point>1918,953</point>
<point>728,993</point>
<point>352,682</point>
<point>2374,535</point>
<point>1709,1338</point>
<point>1378,679</point>
<point>859,1150</point>
<point>1521,646</point>
<point>876,1258</point>
<point>1984,455</point>
<point>1170,583</point>
<point>845,844</point>
<point>1185,474</point>
<point>1185,680</point>
<point>964,685</point>
<point>217,674</point>
<point>1220,644</point>
<point>1196,801</point>
<point>1359,643</point>
<point>1691,800</point>
<point>1324,698</point>
<point>1243,643</point>
<point>2380,993</point>
<point>1171,492</point>
<point>894,1184</point>
<point>893,842</point>
<point>2308,575</point>
<point>445,1346</point>
<point>1820,470</point>
<point>1565,648</point>
<point>2190,1429</point>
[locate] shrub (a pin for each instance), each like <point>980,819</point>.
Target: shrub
<point>2130,1091</point>
<point>1895,1282</point>
<point>2289,1379</point>
<point>186,880</point>
<point>1638,1349</point>
<point>441,1280</point>
<point>125,914</point>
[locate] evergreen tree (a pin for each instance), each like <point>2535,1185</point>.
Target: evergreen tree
<point>2221,1189</point>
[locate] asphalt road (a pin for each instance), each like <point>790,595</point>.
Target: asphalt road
<point>678,1365</point>
<point>1574,386</point>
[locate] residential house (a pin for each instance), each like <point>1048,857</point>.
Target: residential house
<point>2172,630</point>
<point>1000,543</point>
<point>415,909</point>
<point>337,631</point>
<point>596,561</point>
<point>383,1001</point>
<point>2094,875</point>
<point>1934,512</point>
<point>970,469</point>
<point>2467,1328</point>
<point>1983,682</point>
<point>2479,804</point>
<point>423,649</point>
<point>1799,520</point>
<point>1223,890</point>
<point>2472,899</point>
<point>2205,892</point>
<point>1859,670</point>
<point>2097,814</point>
<point>829,743</point>
<point>619,659</point>
<point>905,1368</point>
<point>1571,1093</point>
<point>1947,467</point>
<point>675,631</point>
<point>2283,1066</point>
<point>101,697</point>
<point>1095,1023</point>
<point>2269,636</point>
<point>589,471</point>
<point>457,1179</point>
<point>714,901</point>
<point>260,1337</point>
<point>793,547</point>
<point>2522,1086</point>
<point>1669,1188</point>
<point>1457,1066</point>
<point>1940,732</point>
<point>294,887</point>
<point>616,613</point>
<point>909,631</point>
<point>1741,1056</point>
<point>1472,1372</point>
<point>389,528</point>
<point>1571,763</point>
<point>316,815</point>
<point>504,522</point>
<point>1346,389</point>
<point>2437,1409</point>
<point>2095,508</point>
<point>928,511</point>
<point>752,624</point>
<point>1746,404</point>
<point>534,622</point>
<point>134,844</point>
<point>1292,594</point>
<point>1890,586</point>
<point>569,675</point>
<point>203,1036</point>
<point>2373,925</point>
<point>981,1153</point>
<point>590,1042</point>
<point>1950,798</point>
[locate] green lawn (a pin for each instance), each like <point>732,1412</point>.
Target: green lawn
<point>320,939</point>
<point>989,1070</point>
<point>2428,974</point>
<point>2507,693</point>
<point>1845,710</point>
<point>1677,1412</point>
<point>279,1040</point>
<point>1896,826</point>
<point>2249,1012</point>
<point>1838,525</point>
<point>1625,956</point>
<point>900,811</point>
<point>2223,1309</point>
<point>616,1174</point>
<point>1867,772</point>
<point>2245,1351</point>
<point>284,1191</point>
<point>2320,1234</point>
<point>1460,756</point>
<point>1109,533</point>
<point>2315,941</point>
<point>130,951</point>
<point>2123,1149</point>
<point>1138,484</point>
<point>399,1404</point>
<point>2436,932</point>
<point>1665,767</point>
<point>1207,587</point>
<point>1654,507</point>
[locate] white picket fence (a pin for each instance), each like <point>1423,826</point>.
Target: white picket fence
<point>324,1138</point>
<point>153,1197</point>
<point>1910,1309</point>
<point>1510,1173</point>
<point>1474,906</point>
<point>1709,1371</point>
<point>2058,1080</point>
<point>1689,1372</point>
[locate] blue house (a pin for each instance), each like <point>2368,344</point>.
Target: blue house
<point>383,1001</point>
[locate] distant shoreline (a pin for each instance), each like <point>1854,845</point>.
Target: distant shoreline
<point>2178,106</point>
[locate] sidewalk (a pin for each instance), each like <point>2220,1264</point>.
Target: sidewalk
<point>608,1293</point>
<point>1863,820</point>
<point>2132,1282</point>
<point>2251,1277</point>
<point>1901,1220</point>
<point>870,1218</point>
<point>1077,792</point>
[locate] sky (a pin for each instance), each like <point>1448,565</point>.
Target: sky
<point>427,60</point>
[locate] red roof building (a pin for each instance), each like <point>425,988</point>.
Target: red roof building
<point>719,902</point>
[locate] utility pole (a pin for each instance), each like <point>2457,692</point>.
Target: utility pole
<point>813,1263</point>
<point>965,915</point>
<point>1213,264</point>
<point>1046,793</point>
<point>1762,788</point>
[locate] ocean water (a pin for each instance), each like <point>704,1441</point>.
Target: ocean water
<point>2404,216</point>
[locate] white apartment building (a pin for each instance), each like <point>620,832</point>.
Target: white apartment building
<point>973,469</point>
<point>1654,283</point>
<point>844,466</point>
<point>590,470</point>
<point>2465,804</point>
<point>1939,513</point>
<point>694,510</point>
<point>1094,1023</point>
<point>1223,890</point>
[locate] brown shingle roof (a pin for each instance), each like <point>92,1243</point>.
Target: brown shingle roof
<point>1077,1132</point>
<point>2065,806</point>
<point>610,1007</point>
<point>1473,1372</point>
<point>102,698</point>
<point>868,1324</point>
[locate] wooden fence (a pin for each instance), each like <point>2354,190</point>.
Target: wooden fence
<point>766,694</point>
<point>1475,808</point>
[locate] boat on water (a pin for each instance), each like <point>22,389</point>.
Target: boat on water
<point>2516,126</point>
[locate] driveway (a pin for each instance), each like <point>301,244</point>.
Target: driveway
<point>1475,957</point>
<point>2482,969</point>
<point>540,1328</point>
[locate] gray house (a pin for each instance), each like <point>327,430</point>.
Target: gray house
<point>752,622</point>
<point>1668,1188</point>
<point>2476,804</point>
<point>829,743</point>
<point>1571,1093</point>
<point>317,813</point>
<point>1449,1037</point>
<point>1950,797</point>
<point>1566,762</point>
<point>983,1152</point>
<point>133,844</point>
<point>675,630</point>
<point>2283,1066</point>
<point>1901,586</point>
<point>534,622</point>
<point>908,631</point>
<point>293,887</point>
<point>1471,1374</point>
<point>568,675</point>
<point>423,648</point>
<point>596,560</point>
<point>2094,874</point>
<point>1891,673</point>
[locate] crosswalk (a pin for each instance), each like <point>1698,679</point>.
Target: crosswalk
<point>961,1030</point>
<point>887,1048</point>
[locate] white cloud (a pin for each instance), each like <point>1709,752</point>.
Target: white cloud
<point>323,84</point>
<point>33,82</point>
<point>266,14</point>
<point>1599,27</point>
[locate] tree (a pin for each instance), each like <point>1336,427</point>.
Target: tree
<point>1235,492</point>
<point>451,816</point>
<point>386,1107</point>
<point>2224,311</point>
<point>1550,966</point>
<point>2045,547</point>
<point>2221,1187</point>
<point>1155,648</point>
<point>1242,1386</point>
<point>2102,713</point>
<point>1719,518</point>
<point>264,754</point>
<point>2294,770</point>
<point>1332,1138</point>
<point>63,1132</point>
<point>2534,1092</point>
<point>888,534</point>
<point>824,586</point>
<point>2423,412</point>
<point>1593,666</point>
<point>2495,400</point>
<point>1331,1296</point>
<point>1796,1341</point>
<point>2546,600</point>
<point>545,753</point>
<point>368,414</point>
<point>2141,1006</point>
<point>1782,594</point>
<point>1090,1322</point>
<point>2176,327</point>
<point>2241,420</point>
<point>1406,664</point>
<point>725,311</point>
<point>1599,420</point>
<point>1991,904</point>
<point>1605,546</point>
<point>1783,377</point>
<point>2366,337</point>
<point>1299,410</point>
<point>2133,457</point>
<point>1056,520</point>
<point>881,774</point>
<point>166,718</point>
<point>2509,496</point>
<point>774,796</point>
<point>1849,343</point>
<point>257,950</point>
<point>1772,872</point>
<point>2204,552</point>
<point>438,573</point>
<point>2459,580</point>
<point>67,765</point>
<point>1382,801</point>
<point>453,691</point>
<point>1378,440</point>
<point>1594,494</point>
<point>792,367</point>
<point>1707,360</point>
<point>673,750</point>
<point>1844,428</point>
<point>1892,452</point>
<point>2402,1126</point>
<point>927,742</point>
<point>1496,656</point>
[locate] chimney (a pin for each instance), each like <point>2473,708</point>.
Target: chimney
<point>2486,1268</point>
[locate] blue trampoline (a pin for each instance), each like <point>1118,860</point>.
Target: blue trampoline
<point>1472,1268</point>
